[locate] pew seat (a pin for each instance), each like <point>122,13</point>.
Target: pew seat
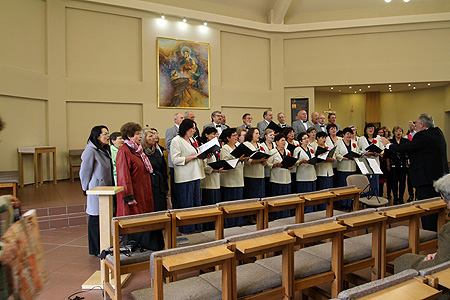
<point>195,287</point>
<point>305,264</point>
<point>402,232</point>
<point>251,278</point>
<point>352,251</point>
<point>134,258</point>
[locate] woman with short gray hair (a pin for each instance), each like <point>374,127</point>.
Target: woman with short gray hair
<point>419,262</point>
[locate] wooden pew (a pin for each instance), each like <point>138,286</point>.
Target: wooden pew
<point>119,264</point>
<point>309,234</point>
<point>284,202</point>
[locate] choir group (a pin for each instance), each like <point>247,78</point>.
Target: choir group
<point>223,163</point>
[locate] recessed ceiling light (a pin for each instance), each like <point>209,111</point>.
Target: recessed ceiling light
<point>405,0</point>
<point>409,84</point>
<point>339,90</point>
<point>429,84</point>
<point>163,16</point>
<point>368,86</point>
<point>184,20</point>
<point>355,92</point>
<point>414,87</point>
<point>387,1</point>
<point>332,88</point>
<point>390,85</point>
<point>205,23</point>
<point>349,87</point>
<point>360,90</point>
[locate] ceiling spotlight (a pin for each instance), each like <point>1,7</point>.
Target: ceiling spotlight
<point>184,20</point>
<point>339,90</point>
<point>368,86</point>
<point>390,85</point>
<point>387,1</point>
<point>355,92</point>
<point>429,84</point>
<point>409,84</point>
<point>349,87</point>
<point>405,0</point>
<point>390,91</point>
<point>205,23</point>
<point>163,16</point>
<point>360,90</point>
<point>414,87</point>
<point>332,88</point>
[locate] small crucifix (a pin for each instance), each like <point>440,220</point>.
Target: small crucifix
<point>329,111</point>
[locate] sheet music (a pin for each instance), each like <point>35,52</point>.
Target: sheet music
<point>362,167</point>
<point>211,143</point>
<point>233,162</point>
<point>323,155</point>
<point>374,165</point>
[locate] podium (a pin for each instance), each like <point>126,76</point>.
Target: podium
<point>105,201</point>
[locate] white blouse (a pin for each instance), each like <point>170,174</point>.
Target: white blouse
<point>267,150</point>
<point>193,170</point>
<point>330,143</point>
<point>296,144</point>
<point>363,144</point>
<point>325,168</point>
<point>255,170</point>
<point>278,175</point>
<point>341,150</point>
<point>234,177</point>
<point>212,179</point>
<point>305,172</point>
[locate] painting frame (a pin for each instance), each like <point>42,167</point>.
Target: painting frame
<point>183,75</point>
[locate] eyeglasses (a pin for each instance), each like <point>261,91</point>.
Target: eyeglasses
<point>104,133</point>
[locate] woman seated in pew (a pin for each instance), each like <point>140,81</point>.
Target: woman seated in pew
<point>280,178</point>
<point>268,145</point>
<point>254,168</point>
<point>134,174</point>
<point>210,185</point>
<point>419,262</point>
<point>160,187</point>
<point>345,166</point>
<point>231,182</point>
<point>324,169</point>
<point>306,174</point>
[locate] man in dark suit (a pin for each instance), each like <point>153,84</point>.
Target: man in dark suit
<point>247,121</point>
<point>428,158</point>
<point>216,122</point>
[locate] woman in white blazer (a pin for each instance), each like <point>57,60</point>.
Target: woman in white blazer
<point>268,145</point>
<point>280,178</point>
<point>306,173</point>
<point>231,182</point>
<point>289,133</point>
<point>254,168</point>
<point>210,185</point>
<point>345,166</point>
<point>324,170</point>
<point>189,170</point>
<point>370,137</point>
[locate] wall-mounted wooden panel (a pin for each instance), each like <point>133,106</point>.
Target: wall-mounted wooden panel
<point>82,116</point>
<point>25,125</point>
<point>103,46</point>
<point>245,61</point>
<point>23,33</point>
<point>373,107</point>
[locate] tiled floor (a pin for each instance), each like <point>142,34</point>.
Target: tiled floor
<point>69,265</point>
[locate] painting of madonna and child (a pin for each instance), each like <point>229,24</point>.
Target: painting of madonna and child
<point>183,74</point>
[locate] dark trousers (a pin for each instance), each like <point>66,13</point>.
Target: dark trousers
<point>410,187</point>
<point>424,192</point>
<point>94,235</point>
<point>173,194</point>
<point>397,177</point>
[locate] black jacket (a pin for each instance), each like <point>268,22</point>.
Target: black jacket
<point>427,154</point>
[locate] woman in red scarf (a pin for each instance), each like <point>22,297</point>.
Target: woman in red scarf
<point>133,173</point>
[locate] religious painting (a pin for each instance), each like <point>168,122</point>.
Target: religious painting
<point>183,74</point>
